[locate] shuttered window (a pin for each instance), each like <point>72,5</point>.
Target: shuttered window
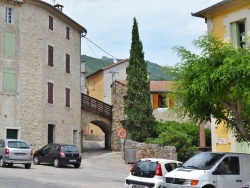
<point>9,44</point>
<point>50,55</point>
<point>155,100</point>
<point>50,92</point>
<point>51,23</point>
<point>9,80</point>
<point>238,33</point>
<point>9,15</point>
<point>67,63</point>
<point>67,32</point>
<point>67,97</point>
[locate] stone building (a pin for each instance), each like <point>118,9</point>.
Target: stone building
<point>40,94</point>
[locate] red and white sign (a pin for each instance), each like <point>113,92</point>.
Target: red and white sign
<point>122,133</point>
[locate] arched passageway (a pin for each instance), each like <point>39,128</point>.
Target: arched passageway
<point>103,123</point>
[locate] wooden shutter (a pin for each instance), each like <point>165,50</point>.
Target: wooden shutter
<point>51,23</point>
<point>67,97</point>
<point>50,55</point>
<point>9,80</point>
<point>155,100</point>
<point>67,63</point>
<point>9,44</point>
<point>171,101</point>
<point>50,92</point>
<point>67,32</point>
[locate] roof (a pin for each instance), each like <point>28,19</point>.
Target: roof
<point>159,160</point>
<point>155,86</point>
<point>219,7</point>
<point>56,10</point>
<point>107,67</point>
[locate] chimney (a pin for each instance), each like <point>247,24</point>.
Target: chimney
<point>59,7</point>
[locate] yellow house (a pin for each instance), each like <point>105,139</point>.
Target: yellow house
<point>229,20</point>
<point>99,87</point>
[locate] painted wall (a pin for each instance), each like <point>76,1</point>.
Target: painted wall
<point>220,25</point>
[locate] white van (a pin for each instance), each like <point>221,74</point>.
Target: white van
<point>211,170</point>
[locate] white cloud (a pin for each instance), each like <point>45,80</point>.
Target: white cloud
<point>162,24</point>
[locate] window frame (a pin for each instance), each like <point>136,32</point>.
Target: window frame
<point>51,22</point>
<point>50,56</point>
<point>67,32</point>
<point>50,93</point>
<point>67,63</point>
<point>9,15</point>
<point>67,97</point>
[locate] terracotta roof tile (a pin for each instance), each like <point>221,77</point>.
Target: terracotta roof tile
<point>155,86</point>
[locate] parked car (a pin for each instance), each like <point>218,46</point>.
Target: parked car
<point>246,185</point>
<point>58,154</point>
<point>211,169</point>
<point>149,172</point>
<point>14,151</point>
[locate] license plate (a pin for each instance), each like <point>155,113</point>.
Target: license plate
<point>138,186</point>
<point>19,154</point>
<point>72,161</point>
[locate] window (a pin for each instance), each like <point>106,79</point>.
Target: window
<point>67,97</point>
<point>51,23</point>
<point>229,165</point>
<point>67,63</point>
<point>9,44</point>
<point>9,80</point>
<point>67,32</point>
<point>9,15</point>
<point>50,55</point>
<point>238,33</point>
<point>50,92</point>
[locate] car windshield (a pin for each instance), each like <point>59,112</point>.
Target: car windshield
<point>144,169</point>
<point>69,148</point>
<point>202,161</point>
<point>18,144</point>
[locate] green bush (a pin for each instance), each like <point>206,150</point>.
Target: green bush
<point>183,136</point>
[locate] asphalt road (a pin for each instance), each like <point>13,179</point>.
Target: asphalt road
<point>99,168</point>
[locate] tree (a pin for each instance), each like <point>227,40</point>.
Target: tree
<point>140,119</point>
<point>215,83</point>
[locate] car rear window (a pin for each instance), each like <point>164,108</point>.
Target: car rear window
<point>144,169</point>
<point>18,144</point>
<point>69,148</point>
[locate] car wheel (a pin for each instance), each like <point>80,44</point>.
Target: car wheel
<point>36,160</point>
<point>27,166</point>
<point>77,165</point>
<point>57,163</point>
<point>2,163</point>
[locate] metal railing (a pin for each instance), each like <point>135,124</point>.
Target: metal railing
<point>96,106</point>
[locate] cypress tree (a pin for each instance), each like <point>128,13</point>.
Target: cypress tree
<point>140,119</point>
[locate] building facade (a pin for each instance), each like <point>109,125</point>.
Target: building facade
<point>40,50</point>
<point>229,20</point>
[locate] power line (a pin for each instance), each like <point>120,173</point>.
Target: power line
<point>100,48</point>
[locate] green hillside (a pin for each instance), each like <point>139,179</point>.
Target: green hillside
<point>94,64</point>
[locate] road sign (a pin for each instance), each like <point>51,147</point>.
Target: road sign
<point>122,133</point>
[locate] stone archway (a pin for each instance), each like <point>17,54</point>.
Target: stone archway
<point>103,123</point>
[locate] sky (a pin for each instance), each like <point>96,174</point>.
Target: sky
<point>162,24</point>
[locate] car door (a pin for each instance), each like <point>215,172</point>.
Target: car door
<point>43,153</point>
<point>230,175</point>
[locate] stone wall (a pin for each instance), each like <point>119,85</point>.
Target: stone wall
<point>118,94</point>
<point>144,150</point>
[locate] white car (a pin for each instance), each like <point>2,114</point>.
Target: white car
<point>149,172</point>
<point>246,185</point>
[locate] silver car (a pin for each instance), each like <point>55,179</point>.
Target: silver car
<point>14,151</point>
